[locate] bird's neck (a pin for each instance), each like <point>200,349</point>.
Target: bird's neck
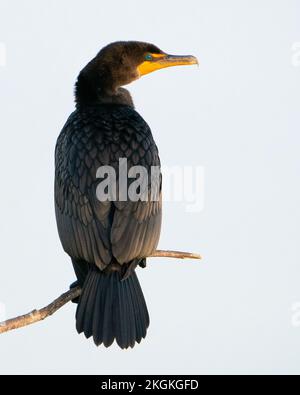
<point>119,96</point>
<point>95,86</point>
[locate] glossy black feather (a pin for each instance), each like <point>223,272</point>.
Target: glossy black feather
<point>111,309</point>
<point>98,232</point>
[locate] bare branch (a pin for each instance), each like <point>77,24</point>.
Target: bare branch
<point>175,254</point>
<point>40,315</point>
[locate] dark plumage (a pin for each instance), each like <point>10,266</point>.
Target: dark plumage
<point>107,240</point>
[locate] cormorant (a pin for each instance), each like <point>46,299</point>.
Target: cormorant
<point>107,240</point>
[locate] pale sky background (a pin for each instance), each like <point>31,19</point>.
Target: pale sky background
<point>237,115</point>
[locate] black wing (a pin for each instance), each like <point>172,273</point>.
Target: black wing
<point>95,231</point>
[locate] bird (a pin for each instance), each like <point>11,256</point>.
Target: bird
<point>107,240</point>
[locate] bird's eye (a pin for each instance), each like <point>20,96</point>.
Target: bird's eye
<point>148,57</point>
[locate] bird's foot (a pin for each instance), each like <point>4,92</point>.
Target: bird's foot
<point>72,286</point>
<point>134,264</point>
<point>143,263</point>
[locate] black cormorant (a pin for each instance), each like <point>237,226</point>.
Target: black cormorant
<point>107,240</point>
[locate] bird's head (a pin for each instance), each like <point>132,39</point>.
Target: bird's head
<point>121,63</point>
<point>128,61</point>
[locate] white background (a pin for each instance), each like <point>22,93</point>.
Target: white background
<point>237,115</point>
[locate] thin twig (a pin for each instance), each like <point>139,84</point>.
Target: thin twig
<point>175,254</point>
<point>40,315</point>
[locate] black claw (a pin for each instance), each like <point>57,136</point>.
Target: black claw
<point>143,263</point>
<point>72,286</point>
